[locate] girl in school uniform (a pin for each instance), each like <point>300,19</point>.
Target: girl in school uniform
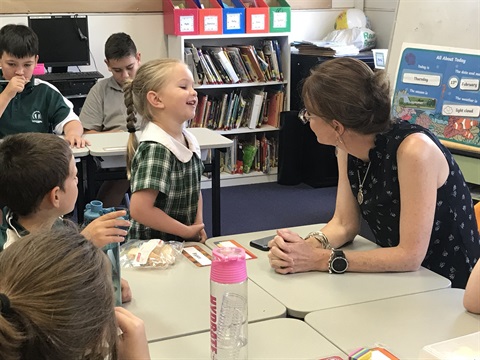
<point>164,163</point>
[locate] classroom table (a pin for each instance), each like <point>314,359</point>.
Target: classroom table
<point>114,145</point>
<point>271,339</point>
<point>302,293</point>
<point>404,324</point>
<point>176,301</point>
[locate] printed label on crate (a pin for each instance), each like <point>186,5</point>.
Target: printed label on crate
<point>197,255</point>
<point>187,23</point>
<point>233,21</point>
<point>258,21</point>
<point>210,23</point>
<point>279,19</point>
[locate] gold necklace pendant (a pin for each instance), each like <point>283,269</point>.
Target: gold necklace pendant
<point>360,185</point>
<point>360,196</point>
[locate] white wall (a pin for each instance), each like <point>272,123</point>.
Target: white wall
<point>147,29</point>
<point>382,17</point>
<point>316,24</point>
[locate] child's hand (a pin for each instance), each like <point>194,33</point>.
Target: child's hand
<point>126,291</point>
<point>132,344</point>
<point>203,236</point>
<point>194,232</point>
<point>15,86</point>
<point>106,229</point>
<point>76,140</point>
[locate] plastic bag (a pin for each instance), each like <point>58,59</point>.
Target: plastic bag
<point>362,38</point>
<point>153,253</point>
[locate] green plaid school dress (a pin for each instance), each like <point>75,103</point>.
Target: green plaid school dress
<point>178,184</point>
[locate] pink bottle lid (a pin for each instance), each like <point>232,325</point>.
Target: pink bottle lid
<point>228,265</point>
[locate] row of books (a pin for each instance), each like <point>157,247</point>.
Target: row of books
<point>233,64</point>
<point>245,107</point>
<point>254,153</point>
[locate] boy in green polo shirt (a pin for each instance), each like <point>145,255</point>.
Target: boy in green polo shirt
<point>28,104</point>
<point>37,193</point>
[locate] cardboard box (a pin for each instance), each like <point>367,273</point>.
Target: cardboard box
<point>257,18</point>
<point>210,17</point>
<point>180,21</point>
<point>310,4</point>
<point>280,15</point>
<point>233,17</point>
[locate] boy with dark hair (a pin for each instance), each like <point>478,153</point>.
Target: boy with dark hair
<point>104,108</point>
<point>38,193</point>
<point>28,104</point>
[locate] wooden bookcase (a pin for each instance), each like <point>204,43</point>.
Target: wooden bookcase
<point>176,47</point>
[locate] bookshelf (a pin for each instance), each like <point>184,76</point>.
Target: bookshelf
<point>176,48</point>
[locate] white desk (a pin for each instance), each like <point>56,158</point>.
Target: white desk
<point>403,324</point>
<point>271,339</point>
<point>176,301</point>
<point>114,144</point>
<point>306,292</point>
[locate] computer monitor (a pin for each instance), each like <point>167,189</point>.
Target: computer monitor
<point>63,40</point>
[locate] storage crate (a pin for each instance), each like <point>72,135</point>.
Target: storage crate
<point>180,21</point>
<point>257,18</point>
<point>210,17</point>
<point>233,17</point>
<point>280,15</point>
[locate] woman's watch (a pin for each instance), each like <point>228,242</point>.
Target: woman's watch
<point>338,263</point>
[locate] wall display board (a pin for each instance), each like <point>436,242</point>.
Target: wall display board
<point>439,88</point>
<point>452,28</point>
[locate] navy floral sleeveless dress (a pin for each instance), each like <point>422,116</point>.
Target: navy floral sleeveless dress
<point>454,244</point>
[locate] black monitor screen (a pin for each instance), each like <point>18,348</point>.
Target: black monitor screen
<point>63,39</point>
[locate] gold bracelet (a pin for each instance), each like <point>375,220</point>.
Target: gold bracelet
<point>321,238</point>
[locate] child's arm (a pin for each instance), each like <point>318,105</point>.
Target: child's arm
<point>15,85</point>
<point>199,218</point>
<point>471,299</point>
<point>73,131</point>
<point>143,210</point>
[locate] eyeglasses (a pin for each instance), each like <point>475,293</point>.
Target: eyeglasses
<point>304,116</point>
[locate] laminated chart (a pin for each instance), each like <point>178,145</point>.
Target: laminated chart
<point>439,88</point>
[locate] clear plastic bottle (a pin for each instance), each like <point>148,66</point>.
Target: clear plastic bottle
<point>94,210</point>
<point>228,304</point>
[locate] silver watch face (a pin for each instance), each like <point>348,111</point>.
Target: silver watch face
<point>339,265</point>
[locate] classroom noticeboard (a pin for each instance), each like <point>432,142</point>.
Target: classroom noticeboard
<point>439,88</point>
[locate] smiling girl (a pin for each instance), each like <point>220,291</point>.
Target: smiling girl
<point>164,163</point>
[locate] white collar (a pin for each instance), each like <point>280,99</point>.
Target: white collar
<point>153,132</point>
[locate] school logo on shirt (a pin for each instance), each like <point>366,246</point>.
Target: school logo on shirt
<point>37,117</point>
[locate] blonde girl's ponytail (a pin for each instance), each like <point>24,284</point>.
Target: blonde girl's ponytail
<point>131,124</point>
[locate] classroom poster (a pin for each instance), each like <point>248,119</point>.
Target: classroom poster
<point>439,88</point>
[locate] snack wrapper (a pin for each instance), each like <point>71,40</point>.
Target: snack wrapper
<point>150,254</point>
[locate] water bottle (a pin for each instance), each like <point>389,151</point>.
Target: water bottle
<point>228,304</point>
<point>92,211</point>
